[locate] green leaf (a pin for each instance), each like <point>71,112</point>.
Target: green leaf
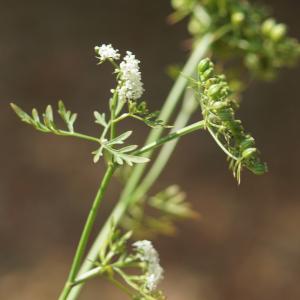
<point>67,116</point>
<point>71,122</point>
<point>21,114</point>
<point>97,154</point>
<point>172,201</point>
<point>129,159</point>
<point>35,115</point>
<point>120,139</point>
<point>128,148</point>
<point>100,118</point>
<point>141,112</point>
<point>61,108</point>
<point>49,113</point>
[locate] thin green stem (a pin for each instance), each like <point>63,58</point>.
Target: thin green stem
<point>132,284</point>
<point>78,135</point>
<point>221,145</point>
<point>113,115</point>
<point>172,136</point>
<point>188,107</point>
<point>148,148</point>
<point>121,286</point>
<point>166,112</point>
<point>88,275</point>
<point>122,117</point>
<point>97,272</point>
<point>87,231</point>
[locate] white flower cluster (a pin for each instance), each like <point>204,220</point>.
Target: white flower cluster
<point>107,52</point>
<point>130,84</point>
<point>149,255</point>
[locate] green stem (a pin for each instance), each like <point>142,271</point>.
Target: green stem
<point>86,232</point>
<point>147,148</point>
<point>221,145</point>
<point>132,284</point>
<point>113,115</point>
<point>188,107</point>
<point>78,135</point>
<point>180,85</point>
<point>120,286</point>
<point>88,275</point>
<point>172,136</point>
<point>166,112</point>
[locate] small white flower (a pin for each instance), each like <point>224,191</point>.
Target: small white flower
<point>105,52</point>
<point>148,254</point>
<point>131,86</point>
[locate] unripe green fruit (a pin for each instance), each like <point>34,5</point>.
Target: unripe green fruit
<point>248,152</point>
<point>177,4</point>
<point>247,143</point>
<point>218,105</point>
<point>219,90</point>
<point>194,26</point>
<point>225,114</point>
<point>278,32</point>
<point>252,61</point>
<point>204,64</point>
<point>237,18</point>
<point>267,26</point>
<point>258,168</point>
<point>215,91</point>
<point>206,75</point>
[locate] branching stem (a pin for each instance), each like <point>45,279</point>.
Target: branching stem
<point>166,112</point>
<point>172,136</point>
<point>78,135</point>
<point>188,107</point>
<point>87,231</point>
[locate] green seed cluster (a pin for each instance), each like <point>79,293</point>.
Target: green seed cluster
<point>251,34</point>
<point>218,110</point>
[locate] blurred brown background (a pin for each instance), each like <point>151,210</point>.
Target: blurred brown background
<point>246,247</point>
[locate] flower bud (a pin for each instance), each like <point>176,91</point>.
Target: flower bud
<point>237,18</point>
<point>278,32</point>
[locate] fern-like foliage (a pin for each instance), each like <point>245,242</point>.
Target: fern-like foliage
<point>140,111</point>
<point>151,216</point>
<point>120,155</point>
<point>46,123</point>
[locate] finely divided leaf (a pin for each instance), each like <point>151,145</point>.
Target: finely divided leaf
<point>120,139</point>
<point>100,118</point>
